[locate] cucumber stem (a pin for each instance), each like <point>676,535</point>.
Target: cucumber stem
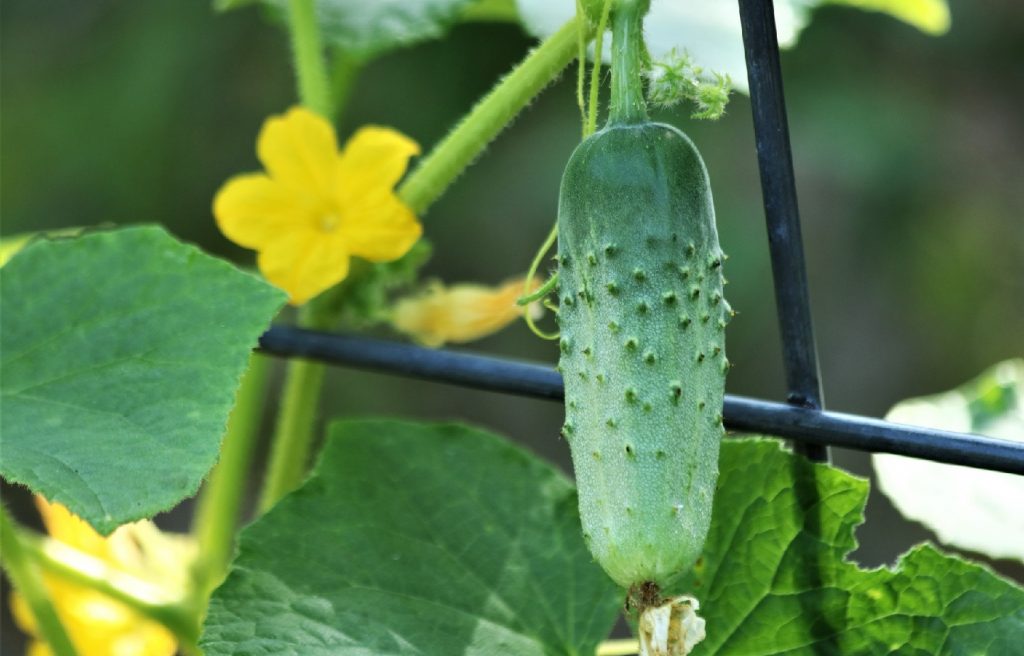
<point>628,105</point>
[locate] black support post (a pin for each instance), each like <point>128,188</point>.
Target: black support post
<point>778,187</point>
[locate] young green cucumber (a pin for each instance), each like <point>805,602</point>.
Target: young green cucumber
<point>642,318</point>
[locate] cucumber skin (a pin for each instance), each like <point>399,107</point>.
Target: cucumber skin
<point>642,320</point>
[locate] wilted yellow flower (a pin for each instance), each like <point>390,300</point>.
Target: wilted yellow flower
<point>96,624</point>
<point>314,207</point>
<point>461,313</point>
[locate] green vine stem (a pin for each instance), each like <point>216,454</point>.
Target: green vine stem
<point>627,102</point>
<point>216,516</point>
<point>293,434</point>
<point>461,146</point>
<point>547,287</point>
<point>309,56</point>
<point>25,576</point>
<point>179,615</point>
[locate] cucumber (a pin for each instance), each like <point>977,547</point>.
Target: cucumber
<point>642,319</point>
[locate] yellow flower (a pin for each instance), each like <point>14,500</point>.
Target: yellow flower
<point>96,624</point>
<point>314,208</point>
<point>461,313</point>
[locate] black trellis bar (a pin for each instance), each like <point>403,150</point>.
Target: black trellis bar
<point>771,130</point>
<point>807,426</point>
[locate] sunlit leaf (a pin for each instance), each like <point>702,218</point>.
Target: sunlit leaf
<point>709,30</point>
<point>774,579</point>
<point>966,507</point>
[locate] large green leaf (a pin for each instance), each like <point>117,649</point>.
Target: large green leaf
<point>121,352</point>
<point>366,28</point>
<point>416,539</point>
<point>773,579</point>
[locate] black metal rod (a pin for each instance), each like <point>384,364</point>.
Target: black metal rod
<point>771,131</point>
<point>808,426</point>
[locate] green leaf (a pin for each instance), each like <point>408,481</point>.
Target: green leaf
<point>365,29</point>
<point>491,11</point>
<point>121,352</point>
<point>988,518</point>
<point>773,579</point>
<point>416,539</point>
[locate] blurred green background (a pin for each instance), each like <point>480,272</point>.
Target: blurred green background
<point>909,155</point>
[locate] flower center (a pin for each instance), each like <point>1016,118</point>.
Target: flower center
<point>329,222</point>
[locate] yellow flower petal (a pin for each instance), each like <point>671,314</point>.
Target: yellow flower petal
<point>300,151</point>
<point>304,264</point>
<point>375,157</point>
<point>462,313</point>
<point>316,208</point>
<point>254,211</point>
<point>95,623</point>
<point>379,227</point>
<point>70,529</point>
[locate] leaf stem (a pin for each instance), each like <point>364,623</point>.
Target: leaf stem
<point>344,72</point>
<point>27,579</point>
<point>488,117</point>
<point>310,68</point>
<point>177,613</point>
<point>216,517</point>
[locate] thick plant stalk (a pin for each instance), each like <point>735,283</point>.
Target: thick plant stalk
<point>216,517</point>
<point>309,57</point>
<point>489,117</point>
